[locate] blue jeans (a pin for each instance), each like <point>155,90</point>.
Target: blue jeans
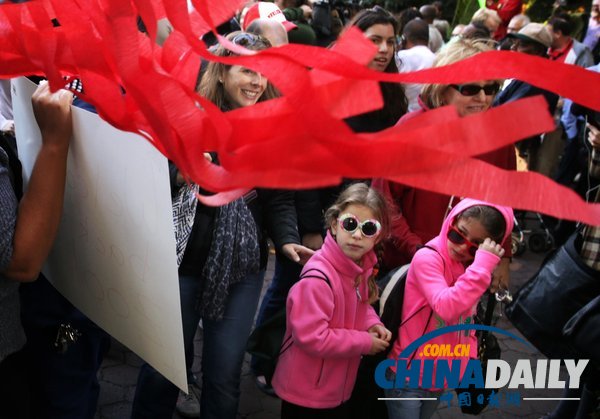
<point>286,274</point>
<point>224,345</point>
<point>410,409</point>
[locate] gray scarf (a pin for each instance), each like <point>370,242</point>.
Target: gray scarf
<point>233,254</point>
<point>184,212</point>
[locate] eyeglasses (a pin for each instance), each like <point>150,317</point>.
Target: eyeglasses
<point>349,223</point>
<point>456,237</point>
<point>474,89</point>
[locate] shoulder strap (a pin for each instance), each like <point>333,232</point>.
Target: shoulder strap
<point>424,306</point>
<point>287,343</point>
<point>323,276</point>
<point>402,271</point>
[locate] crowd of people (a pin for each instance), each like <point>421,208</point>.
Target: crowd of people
<point>353,233</point>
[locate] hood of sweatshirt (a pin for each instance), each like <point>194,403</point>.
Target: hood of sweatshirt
<point>440,242</point>
<point>346,266</point>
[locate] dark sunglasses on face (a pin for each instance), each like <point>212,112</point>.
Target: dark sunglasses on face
<point>349,223</point>
<point>474,89</point>
<point>456,237</point>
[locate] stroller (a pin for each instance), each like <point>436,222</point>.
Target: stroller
<point>540,239</point>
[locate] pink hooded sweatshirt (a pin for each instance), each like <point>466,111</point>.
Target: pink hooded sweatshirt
<point>437,282</point>
<point>328,327</point>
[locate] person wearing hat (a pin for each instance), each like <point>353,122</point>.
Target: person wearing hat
<point>291,18</point>
<point>532,39</point>
<point>265,10</point>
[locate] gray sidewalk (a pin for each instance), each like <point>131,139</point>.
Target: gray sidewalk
<point>119,371</point>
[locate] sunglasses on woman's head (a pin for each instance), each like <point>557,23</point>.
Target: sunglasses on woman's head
<point>474,89</point>
<point>349,223</point>
<point>456,237</point>
<point>247,40</point>
<point>379,9</point>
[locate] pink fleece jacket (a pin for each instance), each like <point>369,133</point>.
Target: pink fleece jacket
<point>437,282</point>
<point>328,326</point>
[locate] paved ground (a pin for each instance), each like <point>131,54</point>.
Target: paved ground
<point>119,373</point>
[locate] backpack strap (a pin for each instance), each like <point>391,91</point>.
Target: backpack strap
<point>323,275</point>
<point>287,342</point>
<point>424,306</point>
<point>403,270</point>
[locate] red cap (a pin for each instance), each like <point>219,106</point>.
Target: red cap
<point>265,10</point>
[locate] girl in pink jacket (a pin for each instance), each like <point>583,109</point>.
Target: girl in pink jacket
<point>330,322</point>
<point>445,281</point>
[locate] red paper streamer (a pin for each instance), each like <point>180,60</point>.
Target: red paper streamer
<point>298,140</point>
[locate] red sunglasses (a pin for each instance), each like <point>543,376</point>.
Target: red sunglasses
<point>456,237</point>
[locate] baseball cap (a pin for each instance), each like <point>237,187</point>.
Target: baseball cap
<point>534,32</point>
<point>265,10</point>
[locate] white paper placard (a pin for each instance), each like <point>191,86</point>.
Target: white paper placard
<point>114,255</point>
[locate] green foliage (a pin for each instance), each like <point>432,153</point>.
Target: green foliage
<point>540,10</point>
<point>464,11</point>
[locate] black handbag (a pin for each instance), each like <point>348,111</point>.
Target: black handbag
<point>582,331</point>
<point>556,307</point>
<point>266,342</point>
<point>488,348</point>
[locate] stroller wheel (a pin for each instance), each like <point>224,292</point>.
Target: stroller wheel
<point>540,242</point>
<point>517,244</point>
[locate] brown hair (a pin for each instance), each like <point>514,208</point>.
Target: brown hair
<point>394,97</point>
<point>212,89</point>
<point>490,218</point>
<point>362,194</point>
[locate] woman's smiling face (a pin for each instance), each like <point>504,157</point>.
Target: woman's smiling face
<point>468,105</point>
<point>243,87</point>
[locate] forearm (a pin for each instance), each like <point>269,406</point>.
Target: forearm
<point>39,214</point>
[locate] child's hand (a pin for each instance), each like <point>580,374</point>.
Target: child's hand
<point>377,345</point>
<point>381,332</point>
<point>492,247</point>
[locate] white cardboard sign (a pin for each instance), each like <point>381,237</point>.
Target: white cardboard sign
<point>114,256</point>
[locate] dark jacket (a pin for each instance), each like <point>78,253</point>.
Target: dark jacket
<point>518,89</point>
<point>273,211</point>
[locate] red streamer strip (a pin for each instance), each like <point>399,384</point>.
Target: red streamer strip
<point>298,140</point>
